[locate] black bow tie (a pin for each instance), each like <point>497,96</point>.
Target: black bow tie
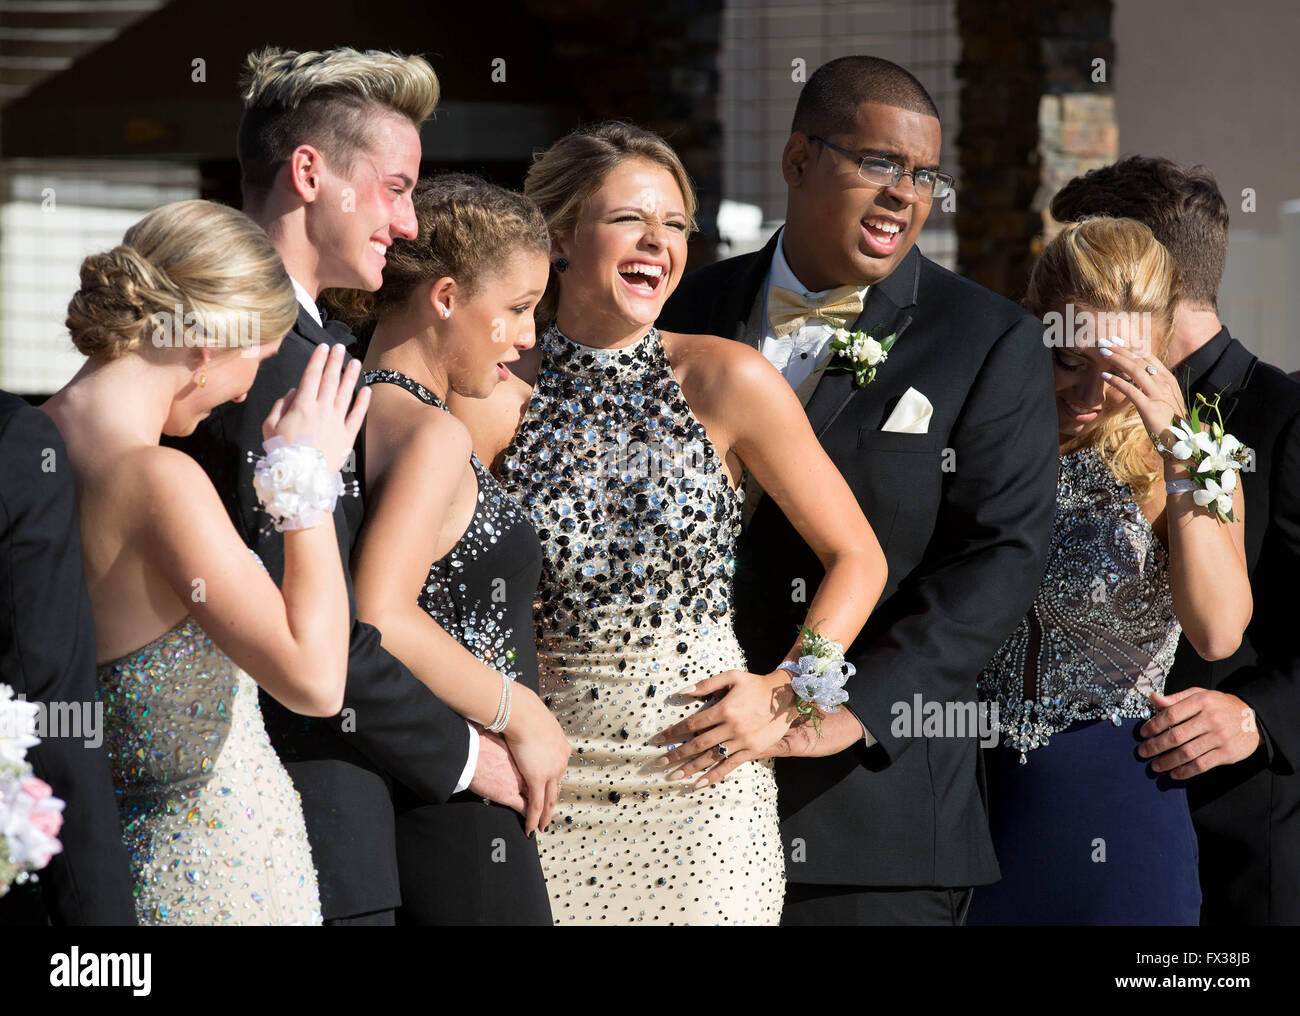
<point>338,331</point>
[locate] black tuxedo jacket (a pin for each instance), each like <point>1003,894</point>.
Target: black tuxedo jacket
<point>964,514</point>
<point>47,653</point>
<point>1247,815</point>
<point>391,725</point>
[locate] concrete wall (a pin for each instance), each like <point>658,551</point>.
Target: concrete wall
<point>51,216</point>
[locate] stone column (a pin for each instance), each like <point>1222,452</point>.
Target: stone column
<point>1035,110</point>
<point>657,67</point>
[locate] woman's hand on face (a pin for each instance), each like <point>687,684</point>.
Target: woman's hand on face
<point>1153,392</point>
<point>753,715</point>
<point>318,409</point>
<point>541,753</point>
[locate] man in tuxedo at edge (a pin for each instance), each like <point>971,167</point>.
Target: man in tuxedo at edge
<point>47,655</point>
<point>329,150</point>
<point>1231,728</point>
<point>952,453</point>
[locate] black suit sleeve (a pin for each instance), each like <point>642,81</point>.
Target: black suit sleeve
<point>984,562</point>
<point>1271,685</point>
<point>47,652</point>
<point>388,714</point>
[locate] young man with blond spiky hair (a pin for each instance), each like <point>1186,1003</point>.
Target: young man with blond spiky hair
<point>329,150</point>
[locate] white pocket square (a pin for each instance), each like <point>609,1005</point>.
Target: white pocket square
<point>911,415</point>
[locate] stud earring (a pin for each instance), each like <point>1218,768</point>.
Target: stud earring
<point>446,312</point>
<point>561,264</point>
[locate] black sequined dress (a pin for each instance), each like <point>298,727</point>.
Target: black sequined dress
<point>465,861</point>
<point>638,524</point>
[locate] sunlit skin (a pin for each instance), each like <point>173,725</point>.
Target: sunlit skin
<point>141,506</point>
<point>752,418</point>
<point>1084,400</point>
<point>637,217</point>
<point>827,240</point>
<point>197,379</point>
<point>226,376</point>
<point>458,343</point>
<point>424,492</point>
<point>327,225</point>
<point>1195,729</point>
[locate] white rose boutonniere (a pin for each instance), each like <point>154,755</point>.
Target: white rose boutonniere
<point>859,352</point>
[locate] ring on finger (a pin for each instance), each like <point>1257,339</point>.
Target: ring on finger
<point>1152,369</point>
<point>723,750</point>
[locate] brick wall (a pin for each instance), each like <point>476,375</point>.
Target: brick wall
<point>1036,110</point>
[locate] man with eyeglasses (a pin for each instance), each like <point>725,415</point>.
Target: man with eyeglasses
<point>951,449</point>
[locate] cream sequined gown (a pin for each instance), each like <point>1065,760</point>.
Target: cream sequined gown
<point>211,820</point>
<point>638,525</point>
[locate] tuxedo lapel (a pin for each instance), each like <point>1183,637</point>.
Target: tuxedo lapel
<point>752,334</point>
<point>334,332</point>
<point>880,316</point>
<point>737,313</point>
<point>309,329</point>
<point>1227,377</point>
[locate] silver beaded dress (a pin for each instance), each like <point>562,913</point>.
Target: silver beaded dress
<point>638,525</point>
<point>212,823</point>
<point>1101,634</point>
<point>1085,831</point>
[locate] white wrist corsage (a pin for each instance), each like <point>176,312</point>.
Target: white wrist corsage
<point>1212,457</point>
<point>860,353</point>
<point>294,485</point>
<point>819,676</point>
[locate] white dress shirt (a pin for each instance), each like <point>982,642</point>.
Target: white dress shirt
<point>305,301</point>
<point>471,763</point>
<point>803,351</point>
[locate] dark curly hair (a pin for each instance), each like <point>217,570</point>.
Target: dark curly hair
<point>1184,208</point>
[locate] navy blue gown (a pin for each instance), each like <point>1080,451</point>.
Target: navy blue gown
<point>1085,832</point>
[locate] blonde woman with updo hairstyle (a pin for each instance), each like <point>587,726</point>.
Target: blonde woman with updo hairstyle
<point>1131,564</point>
<point>174,322</point>
<point>446,565</point>
<point>626,447</point>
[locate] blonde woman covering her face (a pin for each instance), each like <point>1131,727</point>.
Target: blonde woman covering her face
<point>1131,564</point>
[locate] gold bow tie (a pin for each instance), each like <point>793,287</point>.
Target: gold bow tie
<point>788,311</point>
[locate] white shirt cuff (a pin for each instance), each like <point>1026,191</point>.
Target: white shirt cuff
<point>471,763</point>
<point>867,739</point>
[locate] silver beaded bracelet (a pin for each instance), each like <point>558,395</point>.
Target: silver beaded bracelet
<point>502,717</point>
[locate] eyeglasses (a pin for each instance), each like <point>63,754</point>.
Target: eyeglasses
<point>926,182</point>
